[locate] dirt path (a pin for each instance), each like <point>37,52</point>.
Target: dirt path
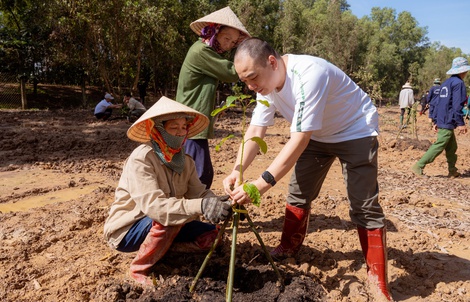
<point>58,171</point>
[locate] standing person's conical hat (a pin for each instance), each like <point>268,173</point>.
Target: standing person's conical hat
<point>167,109</point>
<point>407,85</point>
<point>224,16</point>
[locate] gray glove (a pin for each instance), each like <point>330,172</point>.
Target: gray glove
<point>216,208</point>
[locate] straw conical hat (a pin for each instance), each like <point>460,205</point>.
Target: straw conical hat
<point>407,85</point>
<point>166,109</point>
<point>224,16</point>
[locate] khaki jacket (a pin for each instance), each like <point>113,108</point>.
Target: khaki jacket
<point>148,188</point>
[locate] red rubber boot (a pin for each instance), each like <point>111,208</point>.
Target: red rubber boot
<point>293,232</point>
<point>374,244</point>
<point>154,247</point>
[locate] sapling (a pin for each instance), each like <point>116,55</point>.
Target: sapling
<point>244,101</point>
<point>411,116</point>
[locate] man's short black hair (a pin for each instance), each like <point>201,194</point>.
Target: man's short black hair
<point>257,49</point>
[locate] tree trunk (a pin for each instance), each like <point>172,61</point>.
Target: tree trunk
<point>84,98</point>
<point>24,101</point>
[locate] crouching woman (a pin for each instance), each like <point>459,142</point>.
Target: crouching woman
<point>159,197</point>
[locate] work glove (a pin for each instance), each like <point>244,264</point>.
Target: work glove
<point>216,208</point>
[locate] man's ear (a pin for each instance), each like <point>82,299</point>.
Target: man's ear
<point>272,62</point>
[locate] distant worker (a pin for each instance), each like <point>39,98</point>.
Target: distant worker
<point>136,108</point>
<point>433,94</point>
<point>142,86</point>
<point>424,103</point>
<point>104,109</point>
<point>406,100</point>
<point>447,115</point>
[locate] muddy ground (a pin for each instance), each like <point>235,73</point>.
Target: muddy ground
<point>58,171</point>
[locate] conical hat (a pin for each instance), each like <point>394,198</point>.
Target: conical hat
<point>224,16</point>
<point>166,109</point>
<point>407,85</point>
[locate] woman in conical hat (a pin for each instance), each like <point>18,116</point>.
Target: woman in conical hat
<point>202,69</point>
<point>207,27</point>
<point>159,196</point>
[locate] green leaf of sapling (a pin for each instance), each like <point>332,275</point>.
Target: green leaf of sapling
<point>253,192</point>
<point>261,143</point>
<point>218,110</point>
<point>230,100</point>
<point>264,102</point>
<point>217,147</point>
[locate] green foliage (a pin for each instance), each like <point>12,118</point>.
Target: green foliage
<point>395,48</point>
<point>366,81</point>
<point>244,101</point>
<point>253,192</point>
<point>219,145</point>
<point>437,61</point>
<point>260,17</point>
<point>115,44</point>
<point>261,143</point>
<point>24,29</point>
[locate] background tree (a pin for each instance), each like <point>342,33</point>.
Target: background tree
<point>437,60</point>
<point>122,45</point>
<point>260,17</point>
<point>288,34</point>
<point>24,29</point>
<point>331,33</point>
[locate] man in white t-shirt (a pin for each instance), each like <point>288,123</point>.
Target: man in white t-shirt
<point>104,108</point>
<point>331,117</point>
<point>406,101</point>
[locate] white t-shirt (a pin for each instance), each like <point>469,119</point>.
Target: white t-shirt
<point>318,96</point>
<point>406,98</point>
<point>102,106</point>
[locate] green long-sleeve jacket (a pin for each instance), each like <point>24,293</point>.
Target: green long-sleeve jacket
<point>199,76</point>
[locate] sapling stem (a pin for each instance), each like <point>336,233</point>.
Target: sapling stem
<point>239,209</point>
<point>233,257</point>
<point>268,255</point>
<point>209,255</point>
<point>240,180</point>
<point>412,116</point>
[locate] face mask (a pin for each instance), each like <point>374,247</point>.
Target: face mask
<point>173,141</point>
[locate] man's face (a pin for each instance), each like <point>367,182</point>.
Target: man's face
<point>258,78</point>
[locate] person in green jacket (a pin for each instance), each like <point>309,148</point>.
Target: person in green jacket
<point>202,69</point>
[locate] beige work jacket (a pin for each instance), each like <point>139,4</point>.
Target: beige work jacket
<point>148,188</point>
